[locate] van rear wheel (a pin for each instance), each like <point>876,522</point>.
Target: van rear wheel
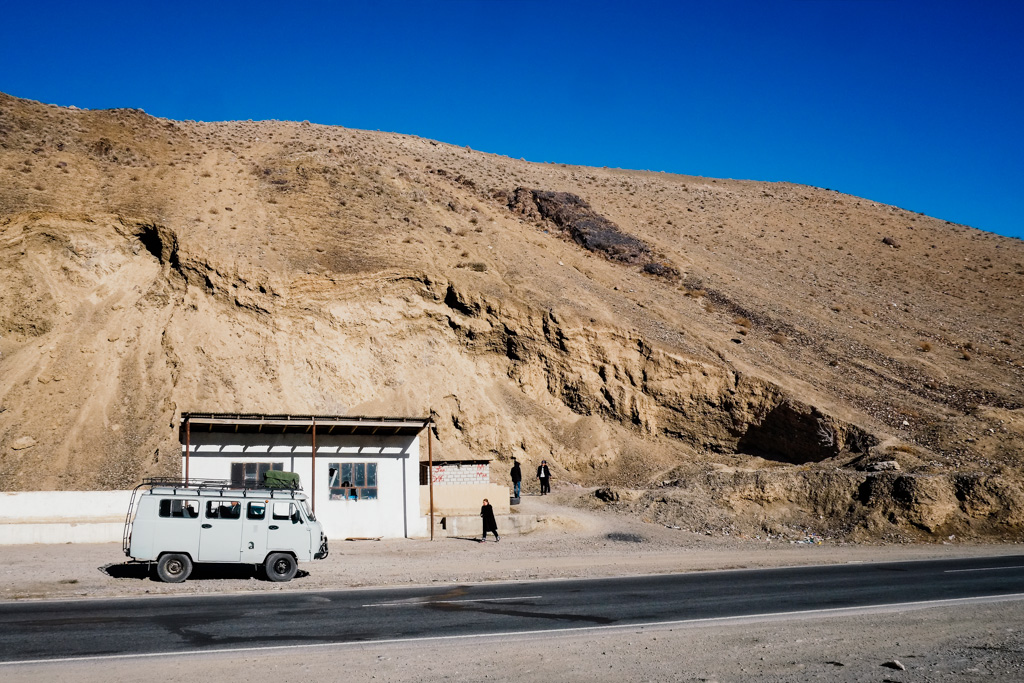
<point>280,567</point>
<point>173,567</point>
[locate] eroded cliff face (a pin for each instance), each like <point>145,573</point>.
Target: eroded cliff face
<point>594,318</point>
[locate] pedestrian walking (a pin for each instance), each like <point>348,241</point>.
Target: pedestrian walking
<point>487,514</point>
<point>544,474</point>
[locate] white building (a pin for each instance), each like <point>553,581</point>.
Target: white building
<point>363,482</point>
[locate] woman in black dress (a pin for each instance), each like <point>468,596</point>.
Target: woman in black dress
<point>487,514</point>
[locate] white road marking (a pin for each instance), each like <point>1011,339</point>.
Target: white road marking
<point>981,569</point>
<point>707,621</point>
<point>428,601</point>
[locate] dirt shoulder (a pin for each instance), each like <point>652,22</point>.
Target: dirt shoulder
<point>936,643</point>
<point>572,543</point>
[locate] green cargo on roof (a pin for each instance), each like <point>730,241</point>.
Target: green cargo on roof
<point>276,479</point>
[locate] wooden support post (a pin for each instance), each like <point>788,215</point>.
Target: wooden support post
<point>188,446</point>
<point>312,484</point>
<point>430,476</point>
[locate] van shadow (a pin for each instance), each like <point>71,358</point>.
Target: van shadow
<point>207,571</point>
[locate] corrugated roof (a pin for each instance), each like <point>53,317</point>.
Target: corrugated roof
<point>280,424</point>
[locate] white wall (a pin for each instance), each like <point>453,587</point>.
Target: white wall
<point>63,516</point>
<point>394,514</point>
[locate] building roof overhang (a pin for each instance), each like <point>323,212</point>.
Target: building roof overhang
<point>198,423</point>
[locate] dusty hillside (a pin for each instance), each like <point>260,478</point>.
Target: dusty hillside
<point>723,354</point>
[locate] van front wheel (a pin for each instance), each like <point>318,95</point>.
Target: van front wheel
<point>173,568</point>
<point>280,567</point>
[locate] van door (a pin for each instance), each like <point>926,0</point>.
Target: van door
<point>220,539</point>
<point>254,532</point>
<point>288,530</point>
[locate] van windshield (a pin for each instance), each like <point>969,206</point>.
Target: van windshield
<point>309,513</point>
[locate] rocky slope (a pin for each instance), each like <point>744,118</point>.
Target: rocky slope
<point>722,354</point>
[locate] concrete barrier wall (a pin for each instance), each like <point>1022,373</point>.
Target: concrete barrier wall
<point>464,499</point>
<point>63,516</point>
<point>471,527</point>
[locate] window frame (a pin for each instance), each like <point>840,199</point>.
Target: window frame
<point>220,505</point>
<point>177,511</point>
<point>249,510</point>
<point>258,470</point>
<point>363,481</point>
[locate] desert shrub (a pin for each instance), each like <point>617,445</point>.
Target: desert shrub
<point>662,270</point>
<point>924,346</point>
<point>585,226</point>
<point>741,321</point>
<point>779,339</point>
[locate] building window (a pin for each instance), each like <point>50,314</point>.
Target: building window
<point>353,480</point>
<point>250,474</point>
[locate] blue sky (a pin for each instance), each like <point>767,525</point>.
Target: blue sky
<point>917,104</point>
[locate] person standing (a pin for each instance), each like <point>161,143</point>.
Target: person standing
<point>487,514</point>
<point>544,474</point>
<point>517,477</point>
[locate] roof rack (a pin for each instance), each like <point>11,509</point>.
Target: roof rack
<point>214,484</point>
<point>192,483</point>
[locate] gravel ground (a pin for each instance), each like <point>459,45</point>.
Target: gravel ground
<point>572,543</point>
<point>974,639</point>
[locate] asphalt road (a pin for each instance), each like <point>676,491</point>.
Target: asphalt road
<point>48,630</point>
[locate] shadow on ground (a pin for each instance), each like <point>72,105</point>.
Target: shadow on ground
<point>201,572</point>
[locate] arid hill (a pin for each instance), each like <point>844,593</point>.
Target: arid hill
<point>728,356</point>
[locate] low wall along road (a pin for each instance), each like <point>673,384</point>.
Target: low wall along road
<point>62,516</point>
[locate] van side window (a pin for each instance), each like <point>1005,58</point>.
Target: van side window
<point>173,507</point>
<point>283,511</point>
<point>256,511</point>
<point>223,509</point>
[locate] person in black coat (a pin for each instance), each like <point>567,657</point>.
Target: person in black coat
<point>517,477</point>
<point>544,474</point>
<point>487,514</point>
